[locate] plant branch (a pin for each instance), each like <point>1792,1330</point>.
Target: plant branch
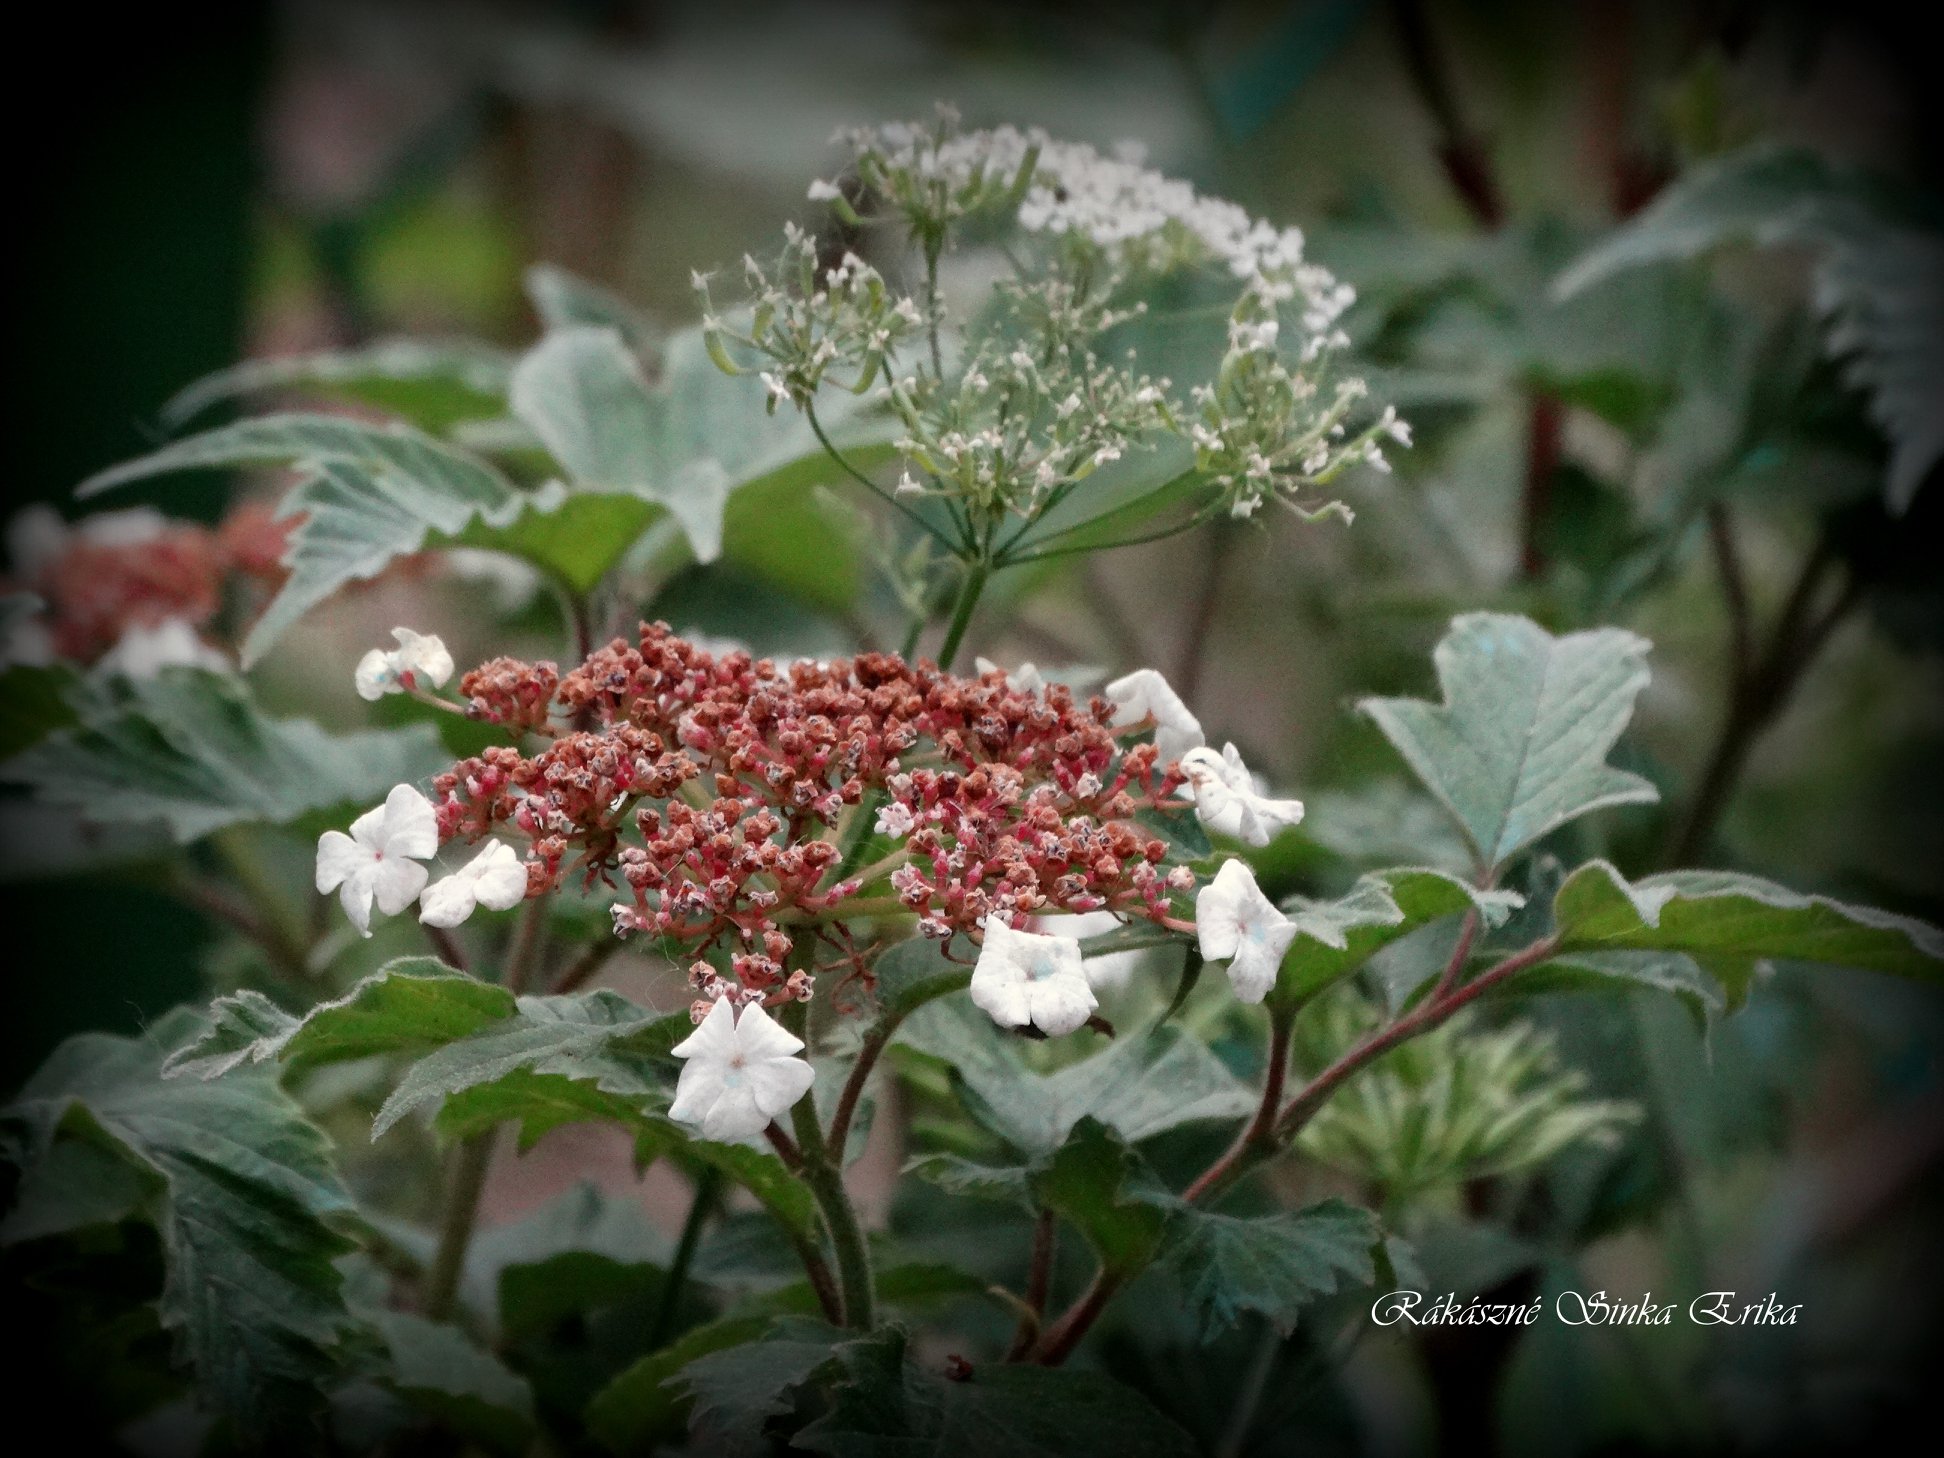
<point>702,1204</point>
<point>1039,1277</point>
<point>1461,152</point>
<point>976,573</point>
<point>582,969</point>
<point>843,461</point>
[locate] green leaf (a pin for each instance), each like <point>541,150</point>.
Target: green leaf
<point>1337,937</point>
<point>575,539</point>
<point>886,1402</point>
<point>641,1407</point>
<point>1007,1184</point>
<point>1108,1193</point>
<point>1731,923</point>
<point>732,1393</point>
<point>571,1037</point>
<point>463,1389</point>
<point>566,301</point>
<point>432,384</point>
<point>1140,1086</point>
<point>370,494</point>
<point>580,1252</point>
<point>1275,1265</point>
<point>914,972</point>
<point>243,1196</point>
<point>1519,745</point>
<point>1879,284</point>
<point>410,1005</point>
<point>190,749</point>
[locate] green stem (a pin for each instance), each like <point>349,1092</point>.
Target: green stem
<point>825,1178</point>
<point>976,573</point>
<point>708,1189</point>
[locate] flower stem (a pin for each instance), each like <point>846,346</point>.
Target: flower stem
<point>976,573</point>
<point>825,1178</point>
<point>702,1204</point>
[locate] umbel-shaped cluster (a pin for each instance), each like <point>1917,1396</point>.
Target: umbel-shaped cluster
<point>755,818</point>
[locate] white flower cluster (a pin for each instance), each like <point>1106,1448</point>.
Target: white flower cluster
<point>378,863</point>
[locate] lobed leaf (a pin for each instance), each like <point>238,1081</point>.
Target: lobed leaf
<point>1274,1265</point>
<point>1337,937</point>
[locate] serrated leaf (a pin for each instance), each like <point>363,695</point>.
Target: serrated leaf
<point>566,301</point>
<point>1275,1265</point>
<point>1139,1086</point>
<point>1731,923</point>
<point>189,749</point>
<point>1519,745</point>
<point>641,1407</point>
<point>460,1387</point>
<point>1337,937</point>
<point>1106,1190</point>
<point>433,384</point>
<point>584,1250</point>
<point>369,495</point>
<point>883,1401</point>
<point>732,1393</point>
<point>571,1037</point>
<point>1879,284</point>
<point>244,1200</point>
<point>914,972</point>
<point>409,1005</point>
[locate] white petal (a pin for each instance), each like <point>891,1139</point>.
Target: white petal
<point>449,901</point>
<point>1061,1004</point>
<point>1004,1001</point>
<point>368,830</point>
<point>411,826</point>
<point>338,858</point>
<point>396,883</point>
<point>697,1090</point>
<point>778,1083</point>
<point>375,676</point>
<point>355,897</point>
<point>424,656</point>
<point>735,1115</point>
<point>759,1036</point>
<point>714,1037</point>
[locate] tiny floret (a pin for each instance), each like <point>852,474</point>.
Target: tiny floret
<point>496,879</point>
<point>419,661</point>
<point>379,860</point>
<point>1237,924</point>
<point>1227,800</point>
<point>740,1071</point>
<point>1143,696</point>
<point>1022,978</point>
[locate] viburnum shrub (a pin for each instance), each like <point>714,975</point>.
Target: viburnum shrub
<point>965,915</point>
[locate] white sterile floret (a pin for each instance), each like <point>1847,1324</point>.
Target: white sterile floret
<point>1022,979</point>
<point>1026,678</point>
<point>496,879</point>
<point>1143,695</point>
<point>379,860</point>
<point>740,1072</point>
<point>1227,800</point>
<point>1106,973</point>
<point>143,652</point>
<point>1237,924</point>
<point>420,660</point>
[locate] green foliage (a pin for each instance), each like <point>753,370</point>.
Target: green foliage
<point>1273,1265</point>
<point>238,1185</point>
<point>1337,937</point>
<point>1519,746</point>
<point>190,749</point>
<point>433,385</point>
<point>1879,284</point>
<point>461,1388</point>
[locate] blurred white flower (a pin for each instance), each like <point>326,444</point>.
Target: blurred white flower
<point>1145,695</point>
<point>419,661</point>
<point>1237,924</point>
<point>1026,678</point>
<point>496,879</point>
<point>143,652</point>
<point>37,535</point>
<point>1021,978</point>
<point>378,860</point>
<point>741,1072</point>
<point>1228,801</point>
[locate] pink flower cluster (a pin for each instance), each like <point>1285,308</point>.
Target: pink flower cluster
<point>721,794</point>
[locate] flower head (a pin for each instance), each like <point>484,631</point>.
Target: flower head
<point>741,1072</point>
<point>378,860</point>
<point>1022,978</point>
<point>1237,924</point>
<point>420,659</point>
<point>496,879</point>
<point>1145,695</point>
<point>1227,801</point>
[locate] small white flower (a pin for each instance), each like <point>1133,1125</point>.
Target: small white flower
<point>740,1073</point>
<point>378,860</point>
<point>907,486</point>
<point>1143,695</point>
<point>1106,973</point>
<point>822,191</point>
<point>496,878</point>
<point>1227,800</point>
<point>419,660</point>
<point>143,652</point>
<point>894,819</point>
<point>1022,978</point>
<point>1026,678</point>
<point>1237,924</point>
